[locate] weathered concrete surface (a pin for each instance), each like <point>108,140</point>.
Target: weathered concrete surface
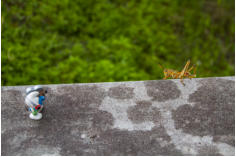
<point>124,118</point>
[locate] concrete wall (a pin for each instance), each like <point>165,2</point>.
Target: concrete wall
<point>160,117</point>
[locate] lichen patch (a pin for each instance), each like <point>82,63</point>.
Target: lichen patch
<point>212,113</point>
<point>143,112</point>
<point>121,92</point>
<point>162,90</point>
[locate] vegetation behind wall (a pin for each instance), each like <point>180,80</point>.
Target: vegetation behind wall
<point>62,41</point>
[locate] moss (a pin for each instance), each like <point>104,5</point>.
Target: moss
<point>46,42</point>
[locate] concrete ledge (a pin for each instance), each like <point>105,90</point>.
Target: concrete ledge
<point>160,117</point>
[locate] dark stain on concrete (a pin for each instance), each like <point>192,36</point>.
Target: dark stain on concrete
<point>120,142</point>
<point>213,111</point>
<point>7,140</point>
<point>12,109</point>
<point>162,90</point>
<point>121,92</point>
<point>11,95</point>
<point>76,104</point>
<point>225,139</point>
<point>143,112</point>
<point>84,95</point>
<point>102,120</point>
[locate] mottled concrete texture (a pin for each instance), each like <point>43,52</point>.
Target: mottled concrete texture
<point>160,117</point>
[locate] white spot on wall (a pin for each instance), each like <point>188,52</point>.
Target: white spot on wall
<point>43,150</point>
<point>83,136</point>
<point>225,149</point>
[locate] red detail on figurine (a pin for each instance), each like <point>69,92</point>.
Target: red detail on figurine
<point>37,107</point>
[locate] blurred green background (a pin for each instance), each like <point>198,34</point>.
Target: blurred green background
<point>73,41</point>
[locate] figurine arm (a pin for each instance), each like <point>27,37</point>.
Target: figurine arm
<point>41,99</point>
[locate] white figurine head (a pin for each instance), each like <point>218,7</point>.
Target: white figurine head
<point>35,88</point>
<point>38,87</point>
<point>29,89</point>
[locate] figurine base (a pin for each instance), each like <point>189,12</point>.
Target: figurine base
<point>36,117</point>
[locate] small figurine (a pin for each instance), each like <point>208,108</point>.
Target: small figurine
<point>34,101</point>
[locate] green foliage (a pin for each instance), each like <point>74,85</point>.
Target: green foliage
<point>49,41</point>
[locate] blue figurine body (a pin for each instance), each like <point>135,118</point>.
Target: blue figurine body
<point>41,99</point>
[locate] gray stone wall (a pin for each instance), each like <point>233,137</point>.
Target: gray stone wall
<point>160,117</point>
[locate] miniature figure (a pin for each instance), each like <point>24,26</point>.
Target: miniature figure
<point>34,101</point>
